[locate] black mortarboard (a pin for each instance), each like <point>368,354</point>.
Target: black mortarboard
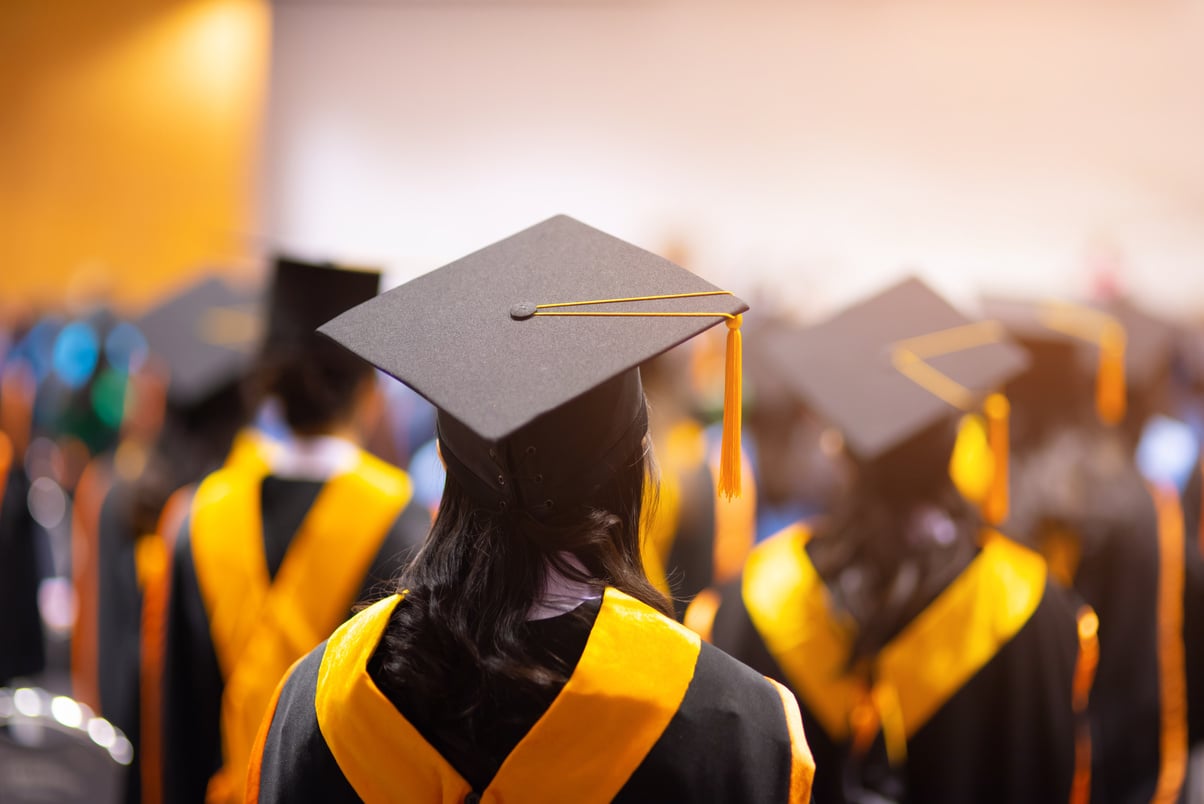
<point>893,366</point>
<point>206,335</point>
<point>529,387</point>
<point>1148,343</point>
<point>305,295</point>
<point>1070,340</point>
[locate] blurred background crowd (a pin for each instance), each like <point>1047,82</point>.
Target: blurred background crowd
<point>158,156</point>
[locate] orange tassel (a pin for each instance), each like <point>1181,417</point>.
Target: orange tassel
<point>995,506</point>
<point>1110,378</point>
<point>1084,679</point>
<point>730,454</point>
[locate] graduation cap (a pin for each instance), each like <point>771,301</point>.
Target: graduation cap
<point>206,335</point>
<point>305,295</point>
<point>528,348</point>
<point>1149,343</point>
<point>888,369</point>
<point>1094,339</point>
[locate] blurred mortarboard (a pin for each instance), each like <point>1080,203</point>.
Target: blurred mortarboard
<point>528,347</point>
<point>892,366</point>
<point>1120,346</point>
<point>206,335</point>
<point>305,295</point>
<point>767,388</point>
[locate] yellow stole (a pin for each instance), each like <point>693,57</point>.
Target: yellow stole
<point>628,684</point>
<point>260,625</point>
<point>250,451</point>
<point>919,670</point>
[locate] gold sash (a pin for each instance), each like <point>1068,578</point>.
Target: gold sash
<point>629,683</point>
<point>920,669</point>
<point>260,626</point>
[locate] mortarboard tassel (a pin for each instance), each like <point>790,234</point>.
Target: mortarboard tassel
<point>1110,376</point>
<point>730,453</point>
<point>1084,679</point>
<point>995,505</point>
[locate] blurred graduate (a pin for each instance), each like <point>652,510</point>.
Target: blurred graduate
<point>273,553</point>
<point>1114,537</point>
<point>184,405</point>
<point>933,658</point>
<point>22,651</point>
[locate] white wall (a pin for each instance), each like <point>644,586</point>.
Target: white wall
<point>816,146</point>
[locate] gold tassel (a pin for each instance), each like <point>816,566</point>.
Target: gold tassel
<point>730,454</point>
<point>1110,377</point>
<point>971,466</point>
<point>997,409</point>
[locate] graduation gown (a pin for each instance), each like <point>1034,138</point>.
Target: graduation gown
<point>263,569</point>
<point>971,701</point>
<point>649,713</point>
<point>1145,580</point>
<point>22,652</point>
<point>696,539</point>
<point>1138,582</point>
<point>115,571</point>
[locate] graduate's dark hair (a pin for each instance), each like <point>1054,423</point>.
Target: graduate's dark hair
<point>898,536</point>
<point>316,380</point>
<point>458,643</point>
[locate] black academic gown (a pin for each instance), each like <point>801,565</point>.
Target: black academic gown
<point>972,700</point>
<point>22,652</point>
<point>648,714</point>
<point>119,619</point>
<point>115,562</point>
<point>1139,743</point>
<point>193,680</point>
<point>1133,559</point>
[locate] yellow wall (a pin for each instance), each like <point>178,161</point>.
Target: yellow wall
<point>129,132</point>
